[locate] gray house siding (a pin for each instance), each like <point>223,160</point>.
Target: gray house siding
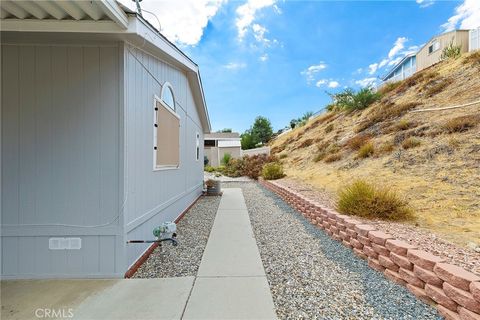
<point>156,196</point>
<point>61,159</point>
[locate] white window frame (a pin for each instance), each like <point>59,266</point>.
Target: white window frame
<point>197,149</point>
<point>163,104</point>
<point>168,86</point>
<point>435,46</point>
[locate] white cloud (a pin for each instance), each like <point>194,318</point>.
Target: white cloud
<point>425,3</point>
<point>263,57</point>
<point>383,63</point>
<point>235,65</point>
<point>310,72</point>
<point>398,45</point>
<point>328,83</point>
<point>366,82</point>
<point>333,84</point>
<point>181,21</point>
<point>246,14</point>
<point>372,68</point>
<point>467,16</point>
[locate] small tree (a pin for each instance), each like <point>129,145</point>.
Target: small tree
<point>225,130</point>
<point>262,129</point>
<point>247,140</point>
<point>226,158</point>
<point>451,51</point>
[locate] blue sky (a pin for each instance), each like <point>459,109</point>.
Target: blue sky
<point>278,58</point>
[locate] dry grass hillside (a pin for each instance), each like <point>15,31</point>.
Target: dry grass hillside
<point>432,158</point>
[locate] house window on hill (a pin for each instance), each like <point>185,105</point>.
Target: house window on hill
<point>166,134</point>
<point>433,47</point>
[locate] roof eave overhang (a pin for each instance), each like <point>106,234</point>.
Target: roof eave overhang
<point>137,32</point>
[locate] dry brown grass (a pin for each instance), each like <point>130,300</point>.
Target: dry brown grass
<point>358,141</point>
<point>473,58</point>
<point>373,201</point>
<point>410,143</point>
<point>304,144</point>
<point>389,87</point>
<point>437,86</point>
<point>385,112</point>
<point>365,151</point>
<point>461,124</point>
<point>333,157</point>
<point>329,128</point>
<point>439,177</point>
<point>385,148</point>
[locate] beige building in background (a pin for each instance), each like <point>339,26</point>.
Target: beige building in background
<point>220,143</point>
<point>431,52</point>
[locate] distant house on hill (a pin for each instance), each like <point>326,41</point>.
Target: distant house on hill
<point>219,143</point>
<point>403,69</point>
<point>431,52</point>
<point>474,39</point>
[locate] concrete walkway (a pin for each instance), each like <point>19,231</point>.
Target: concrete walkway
<point>231,282</point>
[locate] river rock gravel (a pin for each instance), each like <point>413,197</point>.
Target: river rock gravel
<point>312,276</point>
<point>192,235</point>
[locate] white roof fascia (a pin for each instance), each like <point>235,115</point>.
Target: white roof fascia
<point>114,12</point>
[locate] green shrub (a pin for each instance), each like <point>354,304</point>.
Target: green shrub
<point>366,150</point>
<point>369,201</point>
<point>208,168</point>
<point>234,168</point>
<point>272,171</point>
<point>350,100</point>
<point>253,165</point>
<point>451,51</point>
<point>410,142</point>
<point>283,155</point>
<point>226,158</point>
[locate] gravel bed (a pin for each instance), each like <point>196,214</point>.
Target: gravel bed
<point>222,178</point>
<point>467,258</point>
<point>192,235</point>
<point>312,276</point>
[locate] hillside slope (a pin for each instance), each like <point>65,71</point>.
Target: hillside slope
<point>432,158</point>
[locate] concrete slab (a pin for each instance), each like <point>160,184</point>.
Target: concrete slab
<point>230,298</point>
<point>231,249</point>
<point>232,211</point>
<point>95,299</point>
<point>232,198</point>
<point>231,225</point>
<point>22,298</point>
<point>139,299</point>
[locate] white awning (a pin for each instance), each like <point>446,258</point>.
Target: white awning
<point>228,143</point>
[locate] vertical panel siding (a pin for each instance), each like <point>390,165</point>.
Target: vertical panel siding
<point>156,196</point>
<point>425,59</point>
<point>60,159</point>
